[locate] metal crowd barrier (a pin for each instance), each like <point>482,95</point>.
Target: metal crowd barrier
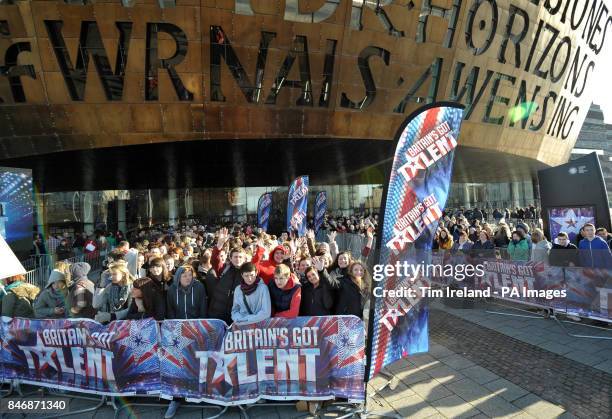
<point>579,280</point>
<point>40,275</point>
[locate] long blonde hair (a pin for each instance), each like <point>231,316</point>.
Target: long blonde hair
<point>121,267</point>
<point>64,267</point>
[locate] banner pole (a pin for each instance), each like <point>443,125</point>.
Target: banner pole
<point>364,413</point>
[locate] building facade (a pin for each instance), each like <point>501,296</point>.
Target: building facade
<point>596,137</point>
<point>175,95</point>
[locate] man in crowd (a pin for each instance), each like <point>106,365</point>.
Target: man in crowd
<point>594,251</point>
<point>563,253</point>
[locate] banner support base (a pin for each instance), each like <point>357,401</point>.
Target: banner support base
<point>560,322</point>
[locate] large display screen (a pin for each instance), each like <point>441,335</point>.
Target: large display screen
<point>16,209</point>
<point>569,220</point>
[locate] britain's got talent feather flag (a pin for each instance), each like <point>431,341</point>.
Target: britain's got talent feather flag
<point>263,210</point>
<point>320,209</point>
<point>412,204</point>
<point>297,205</point>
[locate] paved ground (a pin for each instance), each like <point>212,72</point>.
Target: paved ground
<point>480,365</point>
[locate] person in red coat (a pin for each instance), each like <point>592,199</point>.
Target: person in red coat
<point>265,268</point>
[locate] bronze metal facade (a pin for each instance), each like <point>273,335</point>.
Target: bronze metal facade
<point>111,73</point>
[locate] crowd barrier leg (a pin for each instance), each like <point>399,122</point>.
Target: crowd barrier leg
<point>548,313</point>
<point>245,408</point>
<point>5,392</point>
<point>361,411</point>
<point>560,322</point>
<point>117,408</point>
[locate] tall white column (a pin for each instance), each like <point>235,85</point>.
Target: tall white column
<point>172,208</point>
<point>188,203</point>
<point>121,215</point>
<point>87,212</point>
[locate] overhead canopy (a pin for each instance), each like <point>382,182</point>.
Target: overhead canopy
<point>222,163</point>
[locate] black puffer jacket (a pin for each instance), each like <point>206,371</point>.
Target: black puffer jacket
<point>349,300</point>
<point>318,301</point>
<point>222,297</point>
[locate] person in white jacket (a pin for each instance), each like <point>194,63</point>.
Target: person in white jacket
<point>251,297</point>
<point>541,247</point>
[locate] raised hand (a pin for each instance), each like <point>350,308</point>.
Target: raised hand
<point>318,263</point>
<point>332,237</point>
<point>223,237</point>
<point>370,232</point>
<point>310,234</point>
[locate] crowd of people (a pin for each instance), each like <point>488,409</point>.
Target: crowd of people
<point>237,275</point>
<point>242,274</point>
<point>523,241</point>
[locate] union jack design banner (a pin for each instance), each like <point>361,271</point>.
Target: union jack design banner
<point>306,358</point>
<point>297,205</point>
<point>413,202</point>
<point>82,355</point>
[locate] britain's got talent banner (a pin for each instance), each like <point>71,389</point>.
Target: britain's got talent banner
<point>320,210</point>
<point>413,202</point>
<point>585,292</point>
<point>82,355</point>
<point>263,210</point>
<point>297,205</point>
<point>307,358</point>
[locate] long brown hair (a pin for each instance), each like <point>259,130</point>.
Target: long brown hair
<point>148,290</point>
<point>364,285</point>
<point>158,261</point>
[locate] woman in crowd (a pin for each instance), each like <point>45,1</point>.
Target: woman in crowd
<point>81,293</point>
<point>484,247</point>
<point>501,238</point>
<point>444,239</point>
<point>17,302</point>
<point>285,293</point>
<point>339,268</point>
<point>541,247</point>
<point>251,297</point>
<point>159,275</point>
<point>113,301</point>
<point>51,302</point>
<point>186,299</point>
<point>353,291</point>
<point>518,249</point>
<point>147,300</point>
<point>317,293</point>
<point>463,244</point>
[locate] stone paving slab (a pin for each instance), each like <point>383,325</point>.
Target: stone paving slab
<point>556,382</point>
